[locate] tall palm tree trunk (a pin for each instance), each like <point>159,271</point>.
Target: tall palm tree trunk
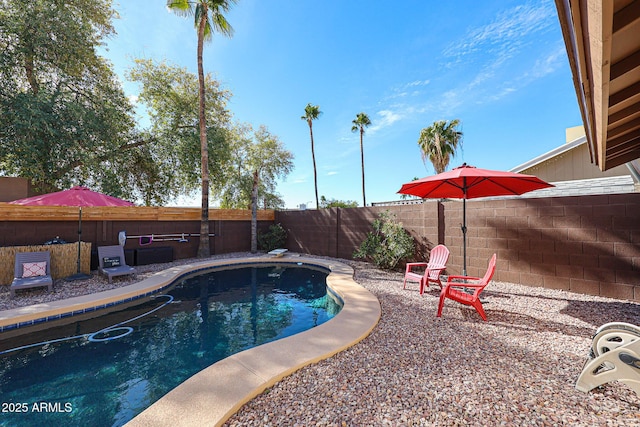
<point>203,248</point>
<point>313,157</point>
<point>364,197</point>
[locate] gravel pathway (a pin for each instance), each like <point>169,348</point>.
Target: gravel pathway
<point>517,369</point>
<point>97,283</point>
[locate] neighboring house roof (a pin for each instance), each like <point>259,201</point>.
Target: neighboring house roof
<point>579,187</point>
<point>583,187</point>
<point>550,154</point>
<point>569,162</point>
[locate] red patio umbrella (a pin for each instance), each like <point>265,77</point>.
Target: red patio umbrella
<point>468,182</point>
<point>75,196</point>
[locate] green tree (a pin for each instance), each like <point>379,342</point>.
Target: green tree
<point>311,113</point>
<point>333,203</point>
<point>439,143</point>
<point>258,159</point>
<point>359,123</point>
<point>64,118</point>
<point>209,17</point>
<point>237,190</point>
<point>268,161</point>
<point>235,193</point>
<point>170,95</point>
<point>273,238</point>
<point>388,244</point>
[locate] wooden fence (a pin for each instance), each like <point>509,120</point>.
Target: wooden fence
<point>10,212</point>
<point>24,226</point>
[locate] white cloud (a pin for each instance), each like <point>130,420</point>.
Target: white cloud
<point>418,83</point>
<point>505,35</point>
<point>300,179</point>
<point>483,54</point>
<point>406,89</point>
<point>387,118</point>
<point>491,61</point>
<point>550,63</point>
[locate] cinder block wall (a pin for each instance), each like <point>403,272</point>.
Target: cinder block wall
<point>584,244</point>
<point>338,232</point>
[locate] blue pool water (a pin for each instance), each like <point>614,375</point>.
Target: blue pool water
<point>104,371</point>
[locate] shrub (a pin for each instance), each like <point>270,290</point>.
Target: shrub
<point>333,203</point>
<point>388,244</point>
<point>272,239</point>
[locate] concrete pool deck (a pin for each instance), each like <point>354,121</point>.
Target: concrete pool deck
<point>211,396</point>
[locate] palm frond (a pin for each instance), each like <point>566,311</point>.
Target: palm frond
<point>199,9</point>
<point>180,7</point>
<point>311,112</point>
<point>221,24</point>
<point>439,142</point>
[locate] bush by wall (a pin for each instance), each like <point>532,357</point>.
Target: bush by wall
<point>272,239</point>
<point>388,244</point>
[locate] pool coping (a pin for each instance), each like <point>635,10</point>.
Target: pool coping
<point>212,395</point>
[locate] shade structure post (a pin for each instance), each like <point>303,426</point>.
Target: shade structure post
<point>79,236</point>
<point>79,274</point>
<point>464,236</point>
<point>464,225</point>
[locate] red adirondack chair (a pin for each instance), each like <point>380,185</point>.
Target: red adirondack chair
<point>458,289</point>
<point>437,263</point>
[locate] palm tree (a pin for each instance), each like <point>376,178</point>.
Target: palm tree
<point>311,113</point>
<point>359,123</point>
<point>439,143</point>
<point>205,24</point>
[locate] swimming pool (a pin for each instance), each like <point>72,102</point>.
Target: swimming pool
<point>108,375</point>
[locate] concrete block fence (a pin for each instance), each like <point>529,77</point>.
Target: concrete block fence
<point>584,244</point>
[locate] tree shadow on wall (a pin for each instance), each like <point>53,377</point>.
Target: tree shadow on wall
<point>423,248</point>
<point>565,235</point>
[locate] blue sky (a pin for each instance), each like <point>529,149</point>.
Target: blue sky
<point>498,66</point>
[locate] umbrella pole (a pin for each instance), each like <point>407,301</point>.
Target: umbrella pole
<point>464,236</point>
<point>79,275</point>
<point>79,237</point>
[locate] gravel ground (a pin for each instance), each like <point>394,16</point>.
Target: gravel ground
<point>63,289</point>
<point>517,369</point>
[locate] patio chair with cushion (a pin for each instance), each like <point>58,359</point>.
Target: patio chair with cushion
<point>32,270</point>
<point>462,290</point>
<point>437,263</point>
<point>111,262</point>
